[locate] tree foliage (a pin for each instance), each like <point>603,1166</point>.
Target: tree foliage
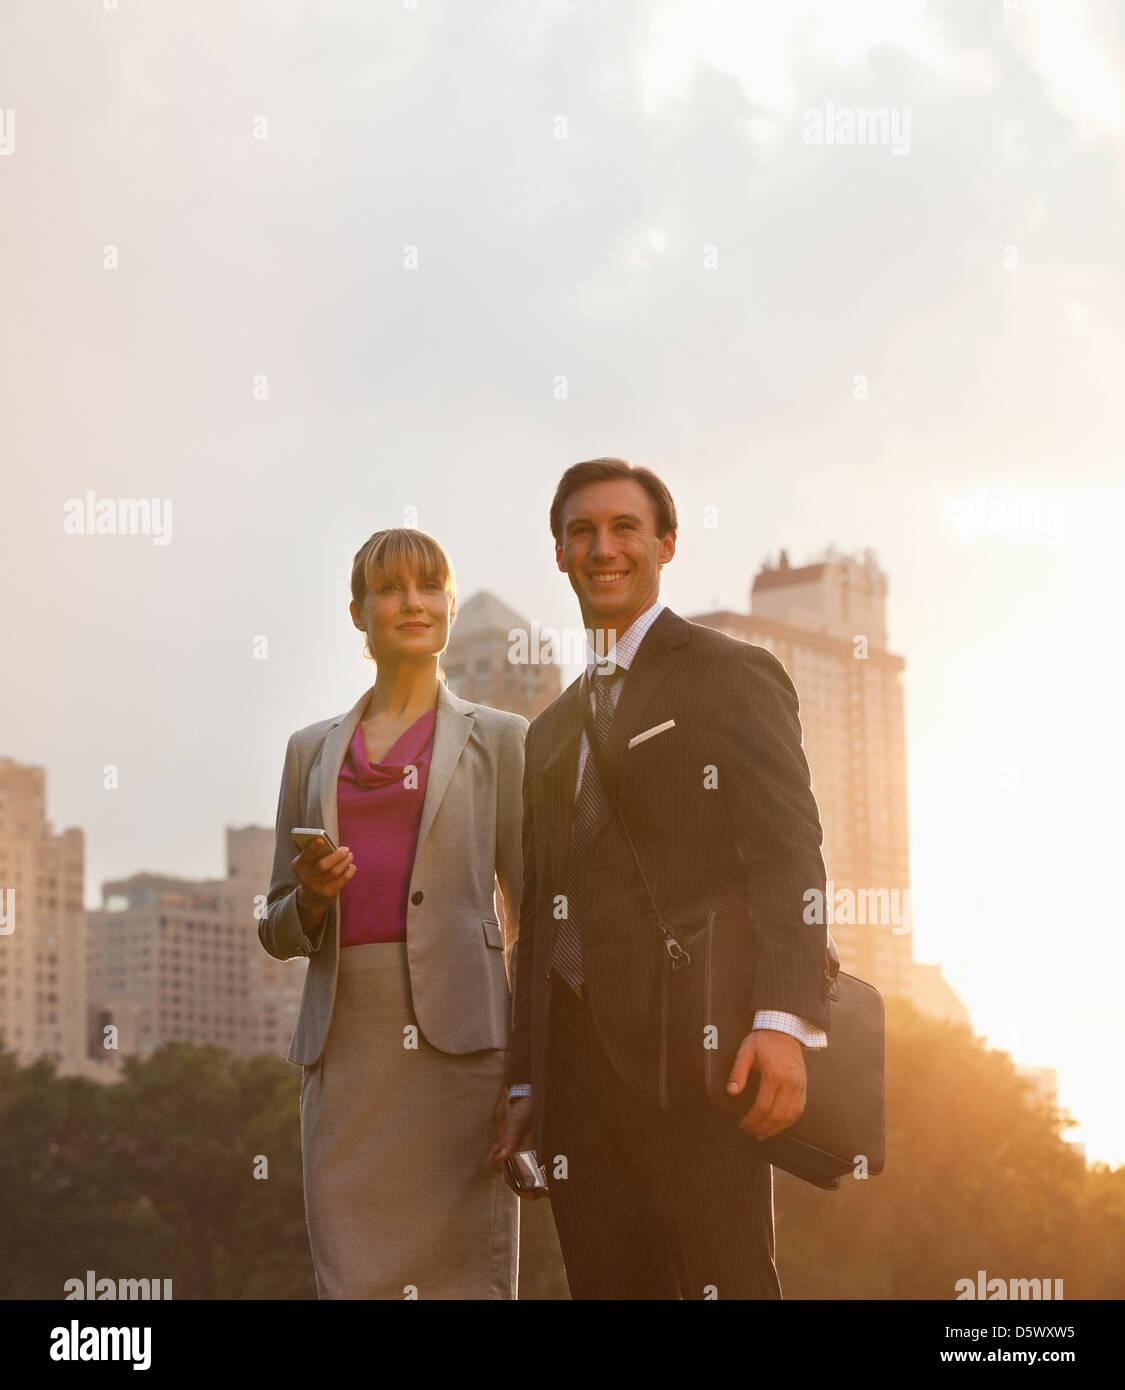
<point>153,1176</point>
<point>977,1177</point>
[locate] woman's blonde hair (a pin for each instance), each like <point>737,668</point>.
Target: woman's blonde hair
<point>395,553</point>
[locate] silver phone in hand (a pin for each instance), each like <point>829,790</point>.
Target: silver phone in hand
<point>304,835</point>
<point>527,1173</point>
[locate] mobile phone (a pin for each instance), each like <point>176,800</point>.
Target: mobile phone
<point>304,835</point>
<point>527,1173</point>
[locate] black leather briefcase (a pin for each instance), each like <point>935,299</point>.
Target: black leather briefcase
<point>707,981</point>
<point>706,984</point>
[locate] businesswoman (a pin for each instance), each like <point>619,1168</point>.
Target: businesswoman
<point>403,1024</point>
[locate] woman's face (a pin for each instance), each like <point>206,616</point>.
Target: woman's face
<point>405,617</point>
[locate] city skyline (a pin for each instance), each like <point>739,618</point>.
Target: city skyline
<point>804,614</point>
<point>405,265</point>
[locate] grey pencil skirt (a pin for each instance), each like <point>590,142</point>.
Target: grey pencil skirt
<point>399,1199</point>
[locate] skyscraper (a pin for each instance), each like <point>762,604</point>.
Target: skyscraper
<point>42,931</point>
<point>826,623</point>
<point>478,662</point>
<point>173,958</point>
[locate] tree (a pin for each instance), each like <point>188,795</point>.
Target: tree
<point>978,1177</point>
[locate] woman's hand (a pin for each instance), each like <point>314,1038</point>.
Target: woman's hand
<point>321,875</point>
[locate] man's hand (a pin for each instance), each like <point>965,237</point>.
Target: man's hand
<point>513,1132</point>
<point>780,1064</point>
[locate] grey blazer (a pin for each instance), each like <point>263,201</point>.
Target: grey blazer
<point>468,840</point>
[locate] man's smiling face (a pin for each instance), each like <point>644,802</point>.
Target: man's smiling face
<point>611,552</point>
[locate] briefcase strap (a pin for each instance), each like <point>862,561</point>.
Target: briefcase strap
<point>679,957</point>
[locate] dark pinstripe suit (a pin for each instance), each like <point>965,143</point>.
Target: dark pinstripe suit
<point>721,799</point>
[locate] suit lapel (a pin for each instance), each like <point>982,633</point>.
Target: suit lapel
<point>453,723</point>
<point>557,779</point>
<point>322,787</point>
<point>660,650</point>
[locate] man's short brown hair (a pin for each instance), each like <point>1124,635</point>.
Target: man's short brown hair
<point>598,471</point>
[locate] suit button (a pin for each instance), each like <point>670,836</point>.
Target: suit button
<point>416,898</point>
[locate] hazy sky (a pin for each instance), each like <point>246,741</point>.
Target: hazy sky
<point>710,286</point>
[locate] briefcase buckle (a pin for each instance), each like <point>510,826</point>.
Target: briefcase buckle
<point>679,956</point>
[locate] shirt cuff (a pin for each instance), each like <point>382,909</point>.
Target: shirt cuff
<point>789,1023</point>
<point>515,1092</point>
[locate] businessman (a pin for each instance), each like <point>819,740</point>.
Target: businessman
<point>701,742</point>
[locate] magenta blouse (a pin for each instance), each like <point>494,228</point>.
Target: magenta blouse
<point>379,812</point>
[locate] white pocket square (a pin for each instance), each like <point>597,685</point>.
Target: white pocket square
<point>651,733</point>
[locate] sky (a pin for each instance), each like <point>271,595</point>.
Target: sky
<point>308,271</point>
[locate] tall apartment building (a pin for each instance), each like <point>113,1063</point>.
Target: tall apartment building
<point>477,661</point>
<point>826,623</point>
<point>171,958</point>
<point>931,993</point>
<point>42,924</point>
<point>1042,1083</point>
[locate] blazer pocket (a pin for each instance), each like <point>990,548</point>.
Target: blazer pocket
<point>493,936</point>
<point>650,733</point>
